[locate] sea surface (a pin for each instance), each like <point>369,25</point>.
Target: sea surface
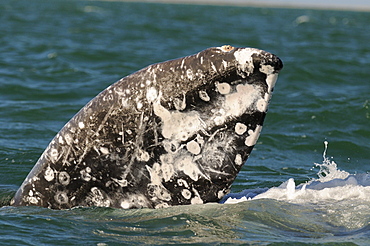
<point>306,181</point>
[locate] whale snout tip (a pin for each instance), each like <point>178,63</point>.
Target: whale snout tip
<point>277,63</point>
<point>252,58</point>
<point>266,58</point>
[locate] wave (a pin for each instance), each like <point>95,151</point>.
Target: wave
<point>331,184</point>
<point>341,197</point>
<point>6,194</point>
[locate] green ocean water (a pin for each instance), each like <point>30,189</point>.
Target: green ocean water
<point>57,55</point>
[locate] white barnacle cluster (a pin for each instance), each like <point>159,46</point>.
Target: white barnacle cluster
<point>253,136</point>
<point>53,154</point>
<point>64,178</point>
<point>177,125</point>
<point>186,164</point>
<point>171,164</point>
<point>193,147</point>
<point>190,74</point>
<point>179,161</point>
<point>49,174</point>
<point>61,177</point>
<point>142,155</point>
<point>33,197</point>
<point>237,100</point>
<point>238,160</point>
<point>271,78</point>
<point>97,197</point>
<point>223,88</point>
<point>204,96</point>
<point>240,128</point>
<point>245,60</point>
<point>86,174</point>
<point>188,192</point>
<point>134,200</point>
<point>151,94</point>
<point>157,192</point>
<point>81,125</point>
<point>61,197</point>
<point>245,64</point>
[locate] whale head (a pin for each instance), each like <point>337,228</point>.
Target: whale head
<point>173,133</point>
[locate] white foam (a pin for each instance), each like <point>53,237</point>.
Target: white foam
<point>332,185</point>
<point>328,192</point>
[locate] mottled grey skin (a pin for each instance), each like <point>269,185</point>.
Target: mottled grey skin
<point>173,133</point>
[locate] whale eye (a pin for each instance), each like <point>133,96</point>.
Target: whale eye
<point>227,48</point>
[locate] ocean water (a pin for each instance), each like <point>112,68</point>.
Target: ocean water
<point>57,55</point>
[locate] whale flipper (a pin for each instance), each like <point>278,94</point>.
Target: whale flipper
<point>173,133</point>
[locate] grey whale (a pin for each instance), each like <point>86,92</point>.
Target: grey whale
<point>173,133</point>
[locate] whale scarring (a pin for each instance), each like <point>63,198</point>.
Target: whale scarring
<point>173,133</point>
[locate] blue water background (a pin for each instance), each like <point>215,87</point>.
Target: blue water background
<point>57,55</point>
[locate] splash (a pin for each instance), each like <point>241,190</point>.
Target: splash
<point>328,169</point>
<point>331,185</point>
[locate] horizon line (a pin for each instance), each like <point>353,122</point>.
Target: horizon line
<point>263,4</point>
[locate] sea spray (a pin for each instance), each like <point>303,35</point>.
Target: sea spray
<point>328,168</point>
<point>331,185</point>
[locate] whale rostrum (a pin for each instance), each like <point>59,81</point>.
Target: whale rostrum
<point>173,133</point>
